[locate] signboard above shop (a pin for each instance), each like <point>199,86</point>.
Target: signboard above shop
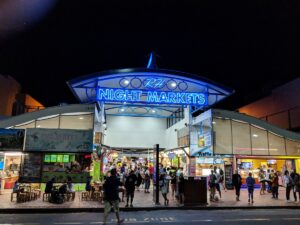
<point>59,140</point>
<point>151,97</point>
<point>11,139</point>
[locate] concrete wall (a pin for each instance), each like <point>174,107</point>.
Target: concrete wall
<point>171,139</point>
<point>276,108</point>
<point>135,132</point>
<point>9,87</point>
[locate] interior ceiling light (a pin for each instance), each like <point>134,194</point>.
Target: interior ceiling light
<point>81,118</point>
<point>173,84</point>
<point>126,81</point>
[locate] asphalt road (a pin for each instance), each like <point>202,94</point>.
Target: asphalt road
<point>211,217</point>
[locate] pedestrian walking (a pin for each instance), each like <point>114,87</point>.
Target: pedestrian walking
<point>212,185</point>
<point>237,183</point>
<point>181,182</point>
<point>173,185</point>
<point>222,180</point>
<point>218,181</point>
<point>288,183</point>
<point>130,187</point>
<point>164,187</point>
<point>147,182</point>
<point>111,196</point>
<point>296,184</point>
<point>275,185</point>
<point>250,185</point>
<point>262,180</point>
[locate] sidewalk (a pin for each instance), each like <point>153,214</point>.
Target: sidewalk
<point>143,201</point>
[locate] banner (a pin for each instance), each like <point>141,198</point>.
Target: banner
<point>31,169</point>
<point>59,140</point>
<point>11,139</point>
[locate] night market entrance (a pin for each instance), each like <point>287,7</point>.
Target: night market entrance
<point>139,108</point>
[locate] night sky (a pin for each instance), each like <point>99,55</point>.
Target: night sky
<point>250,46</point>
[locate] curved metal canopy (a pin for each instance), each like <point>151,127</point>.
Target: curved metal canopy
<point>130,88</point>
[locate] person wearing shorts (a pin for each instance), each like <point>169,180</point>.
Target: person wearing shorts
<point>111,196</point>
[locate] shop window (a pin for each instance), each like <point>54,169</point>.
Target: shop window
<point>63,165</point>
<point>81,122</point>
<point>48,123</point>
<point>259,140</point>
<point>222,132</point>
<point>292,147</point>
<point>241,138</point>
<point>276,145</point>
<point>175,117</point>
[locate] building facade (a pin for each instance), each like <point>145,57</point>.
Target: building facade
<point>281,108</point>
<point>13,101</point>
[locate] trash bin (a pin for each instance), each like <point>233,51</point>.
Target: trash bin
<point>195,191</point>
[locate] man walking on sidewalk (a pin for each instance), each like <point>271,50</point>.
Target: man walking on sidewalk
<point>111,196</point>
<point>237,183</point>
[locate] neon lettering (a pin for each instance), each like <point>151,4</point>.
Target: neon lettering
<point>157,97</point>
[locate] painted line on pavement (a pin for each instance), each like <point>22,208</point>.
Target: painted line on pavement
<point>250,219</point>
<point>201,220</point>
<point>66,223</point>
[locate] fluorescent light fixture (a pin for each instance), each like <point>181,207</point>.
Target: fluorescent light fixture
<point>38,126</point>
<point>122,110</point>
<point>81,118</point>
<point>255,135</point>
<point>153,111</point>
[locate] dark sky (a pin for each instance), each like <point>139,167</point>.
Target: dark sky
<point>250,46</point>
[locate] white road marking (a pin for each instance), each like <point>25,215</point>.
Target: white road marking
<point>250,219</point>
<point>201,220</point>
<point>65,223</point>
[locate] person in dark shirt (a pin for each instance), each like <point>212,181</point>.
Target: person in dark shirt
<point>250,184</point>
<point>181,182</point>
<point>111,195</point>
<point>130,187</point>
<point>237,183</point>
<point>49,185</point>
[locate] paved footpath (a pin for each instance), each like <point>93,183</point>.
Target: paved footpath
<point>143,200</point>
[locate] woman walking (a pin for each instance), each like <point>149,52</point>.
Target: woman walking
<point>163,184</point>
<point>173,185</point>
<point>288,183</point>
<point>250,184</point>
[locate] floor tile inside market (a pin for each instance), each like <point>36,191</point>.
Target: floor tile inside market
<point>146,200</point>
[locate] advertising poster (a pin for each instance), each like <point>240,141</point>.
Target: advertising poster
<point>59,140</point>
<point>11,139</point>
<point>31,169</point>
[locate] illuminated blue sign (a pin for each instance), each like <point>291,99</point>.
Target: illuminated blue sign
<point>154,97</point>
<point>154,83</point>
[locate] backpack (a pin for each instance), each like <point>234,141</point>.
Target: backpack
<point>221,172</point>
<point>212,179</point>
